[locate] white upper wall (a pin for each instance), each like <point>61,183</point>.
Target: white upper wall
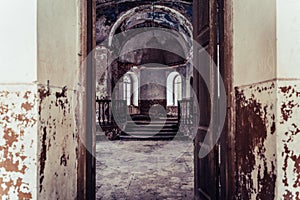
<point>18,46</point>
<point>288,38</point>
<point>58,39</point>
<point>254,41</point>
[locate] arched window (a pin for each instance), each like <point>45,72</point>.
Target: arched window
<point>127,89</point>
<point>174,88</point>
<point>131,88</point>
<point>177,95</point>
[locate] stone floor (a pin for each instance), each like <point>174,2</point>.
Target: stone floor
<point>145,170</point>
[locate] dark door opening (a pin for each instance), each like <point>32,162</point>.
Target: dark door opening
<point>123,95</point>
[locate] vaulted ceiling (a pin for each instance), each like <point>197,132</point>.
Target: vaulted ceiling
<point>115,17</point>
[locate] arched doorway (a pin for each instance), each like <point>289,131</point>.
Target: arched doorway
<point>121,28</point>
<point>141,78</point>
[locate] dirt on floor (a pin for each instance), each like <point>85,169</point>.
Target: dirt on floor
<point>135,170</point>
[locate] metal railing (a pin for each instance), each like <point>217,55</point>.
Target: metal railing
<point>111,111</point>
<point>185,111</point>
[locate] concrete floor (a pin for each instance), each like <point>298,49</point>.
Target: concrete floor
<point>146,170</point>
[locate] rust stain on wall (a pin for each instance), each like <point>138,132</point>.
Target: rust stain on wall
<point>251,133</point>
<point>3,109</point>
<point>61,99</point>
<point>26,95</point>
<point>8,185</point>
<point>10,136</point>
<point>63,160</point>
<point>43,157</point>
<point>286,151</point>
<point>27,106</point>
<point>296,160</point>
<point>289,124</point>
<point>17,117</point>
<point>287,110</point>
<point>287,107</point>
<point>4,93</point>
<point>43,93</point>
<point>57,149</point>
<point>288,195</point>
<point>289,155</point>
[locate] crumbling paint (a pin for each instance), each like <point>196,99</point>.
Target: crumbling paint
<point>18,142</point>
<point>255,141</point>
<point>269,157</point>
<point>288,139</point>
<point>43,157</point>
<point>58,143</point>
<point>43,93</point>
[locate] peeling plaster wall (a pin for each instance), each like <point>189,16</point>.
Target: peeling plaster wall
<point>58,28</point>
<point>18,141</point>
<point>42,165</point>
<point>255,141</point>
<point>18,100</point>
<point>288,140</point>
<point>254,80</point>
<point>39,90</point>
<point>268,116</point>
<point>267,140</point>
<point>58,143</point>
<point>288,137</point>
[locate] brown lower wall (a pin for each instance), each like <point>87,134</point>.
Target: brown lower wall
<point>18,141</point>
<point>58,143</point>
<point>288,140</point>
<point>267,140</point>
<point>255,141</point>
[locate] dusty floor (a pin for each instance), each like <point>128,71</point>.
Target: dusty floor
<point>144,170</point>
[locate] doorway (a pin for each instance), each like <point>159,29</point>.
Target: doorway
<point>211,166</point>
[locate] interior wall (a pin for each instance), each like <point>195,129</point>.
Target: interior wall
<point>18,141</point>
<point>59,88</point>
<point>254,41</point>
<point>288,38</point>
<point>18,41</point>
<point>58,45</point>
<point>152,88</point>
<point>18,100</point>
<point>266,79</point>
<point>40,91</point>
<point>288,93</point>
<point>254,71</point>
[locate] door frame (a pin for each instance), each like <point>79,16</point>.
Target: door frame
<point>228,139</point>
<point>85,119</point>
<point>86,172</point>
